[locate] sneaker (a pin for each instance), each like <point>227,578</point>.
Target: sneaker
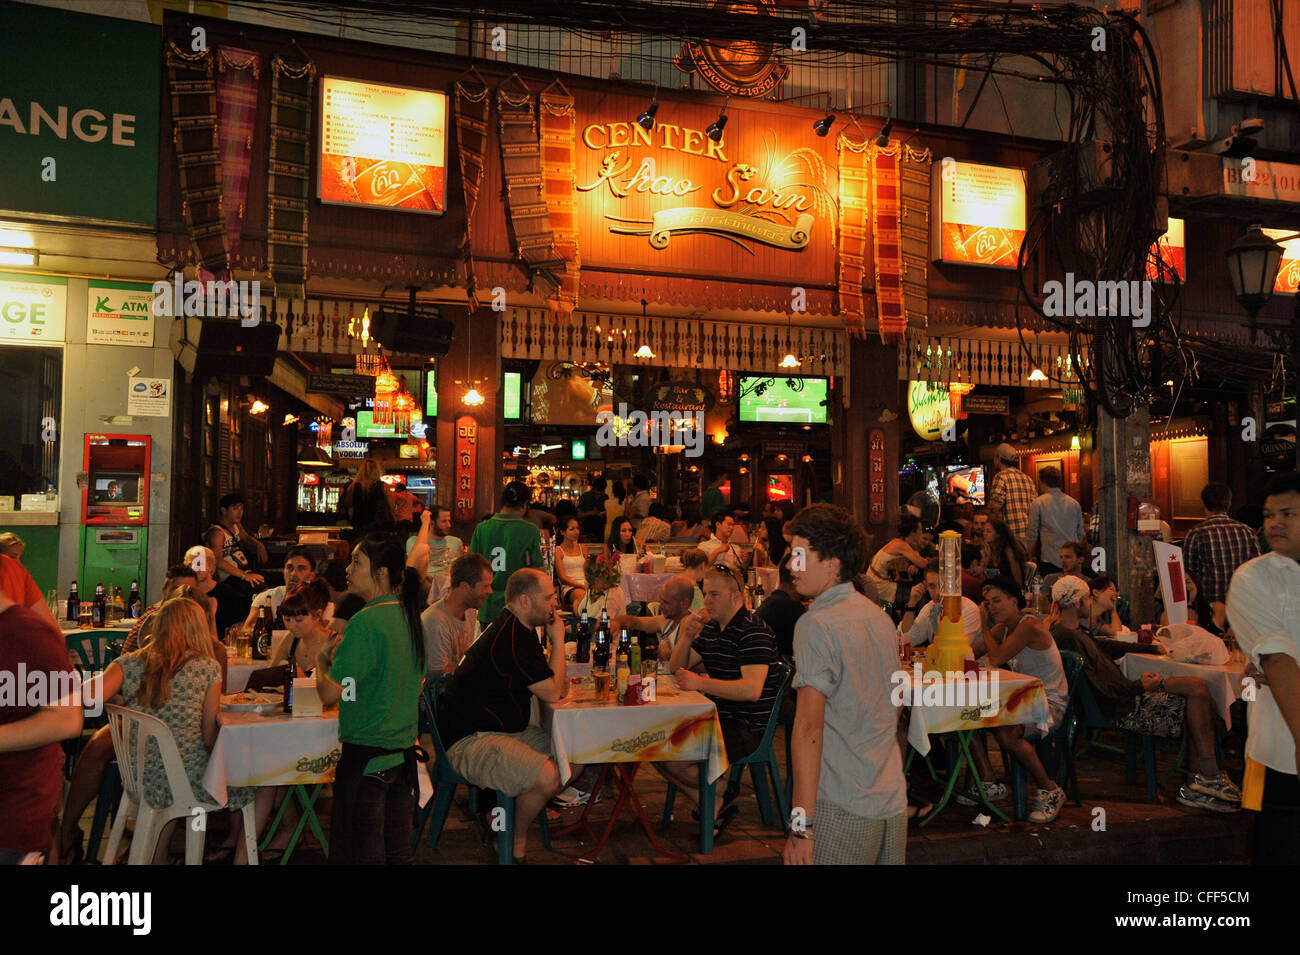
<point>1047,805</point>
<point>1197,800</point>
<point>993,792</point>
<point>1217,787</point>
<point>571,798</point>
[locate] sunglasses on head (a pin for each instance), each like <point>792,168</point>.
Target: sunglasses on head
<point>732,573</point>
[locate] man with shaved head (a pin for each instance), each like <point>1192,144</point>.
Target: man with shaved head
<point>675,598</point>
<point>484,710</point>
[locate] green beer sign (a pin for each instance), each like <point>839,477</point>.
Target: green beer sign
<point>78,115</point>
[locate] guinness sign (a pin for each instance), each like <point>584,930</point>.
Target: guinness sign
<point>737,67</point>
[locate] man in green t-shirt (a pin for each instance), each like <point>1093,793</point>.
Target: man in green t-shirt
<point>509,543</point>
<point>711,501</point>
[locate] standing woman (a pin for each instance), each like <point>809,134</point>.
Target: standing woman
<point>570,568</point>
<point>366,502</point>
<point>380,661</point>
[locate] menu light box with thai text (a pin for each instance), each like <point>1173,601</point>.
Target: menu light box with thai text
<point>980,214</point>
<point>382,146</point>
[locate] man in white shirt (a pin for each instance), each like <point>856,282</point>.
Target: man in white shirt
<point>444,548</point>
<point>719,548</point>
<point>451,624</point>
<point>921,619</point>
<point>298,569</point>
<point>1264,609</point>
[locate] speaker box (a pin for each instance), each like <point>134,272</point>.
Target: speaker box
<point>216,347</point>
<point>420,332</point>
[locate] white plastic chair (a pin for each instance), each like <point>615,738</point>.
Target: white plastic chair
<point>123,724</point>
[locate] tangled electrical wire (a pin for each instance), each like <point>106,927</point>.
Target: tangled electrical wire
<point>1114,97</point>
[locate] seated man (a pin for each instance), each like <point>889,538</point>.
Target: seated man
<point>230,603</point>
<point>484,710</point>
<point>177,576</point>
<point>675,598</point>
<point>721,546</point>
<point>782,610</point>
<point>1149,705</point>
<point>738,652</point>
<point>1010,633</point>
<point>972,572</point>
<point>921,618</point>
<point>451,624</point>
<point>1074,563</point>
<point>298,569</point>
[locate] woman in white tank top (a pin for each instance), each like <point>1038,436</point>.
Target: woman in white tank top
<point>570,569</point>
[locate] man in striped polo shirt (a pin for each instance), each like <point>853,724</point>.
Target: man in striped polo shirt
<point>729,655</point>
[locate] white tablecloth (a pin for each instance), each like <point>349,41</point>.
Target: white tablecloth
<point>644,587</point>
<point>238,671</point>
<point>680,725</point>
<point>272,750</point>
<point>1223,682</point>
<point>1019,699</point>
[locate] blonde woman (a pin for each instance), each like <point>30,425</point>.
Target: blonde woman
<point>177,679</point>
<point>366,502</point>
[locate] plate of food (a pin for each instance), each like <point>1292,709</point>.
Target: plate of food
<point>251,702</point>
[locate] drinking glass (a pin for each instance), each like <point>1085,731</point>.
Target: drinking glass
<point>601,680</point>
<point>241,642</point>
<point>84,618</point>
<point>649,667</point>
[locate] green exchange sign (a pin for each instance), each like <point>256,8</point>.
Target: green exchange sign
<point>78,115</point>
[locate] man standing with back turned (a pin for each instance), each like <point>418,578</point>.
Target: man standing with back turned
<point>849,804</point>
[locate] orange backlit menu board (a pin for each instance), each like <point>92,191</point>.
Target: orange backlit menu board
<point>1169,249</point>
<point>382,146</point>
<point>980,212</point>
<point>1288,270</point>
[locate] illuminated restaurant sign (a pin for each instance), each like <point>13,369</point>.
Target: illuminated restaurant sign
<point>1170,250</point>
<point>1288,270</point>
<point>775,201</point>
<point>382,146</point>
<point>980,213</point>
<point>929,409</point>
<point>736,67</point>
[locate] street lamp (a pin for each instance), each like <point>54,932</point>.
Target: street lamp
<point>1252,263</point>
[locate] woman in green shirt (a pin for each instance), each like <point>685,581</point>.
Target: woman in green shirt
<point>375,676</point>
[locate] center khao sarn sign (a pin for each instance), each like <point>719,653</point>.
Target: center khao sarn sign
<point>762,200</point>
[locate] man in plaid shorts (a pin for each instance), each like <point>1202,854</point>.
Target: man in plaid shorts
<point>1218,545</point>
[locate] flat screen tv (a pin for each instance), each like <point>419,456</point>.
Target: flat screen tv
<point>367,429</point>
<point>115,487</point>
<point>783,400</point>
<point>561,395</point>
<point>960,483</point>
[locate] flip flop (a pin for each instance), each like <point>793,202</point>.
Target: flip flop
<point>727,814</point>
<point>923,809</point>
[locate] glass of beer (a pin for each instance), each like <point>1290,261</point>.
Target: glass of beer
<point>240,642</point>
<point>601,679</point>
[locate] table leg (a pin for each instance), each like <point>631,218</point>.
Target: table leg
<point>628,771</point>
<point>306,802</point>
<point>582,822</point>
<point>707,799</point>
<point>963,758</point>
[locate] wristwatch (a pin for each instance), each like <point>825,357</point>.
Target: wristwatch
<point>913,609</point>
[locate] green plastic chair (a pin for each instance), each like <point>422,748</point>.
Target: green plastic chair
<point>91,648</point>
<point>1093,719</point>
<point>762,758</point>
<point>445,780</point>
<point>1061,740</point>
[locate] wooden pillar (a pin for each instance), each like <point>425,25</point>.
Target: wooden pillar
<point>1125,460</point>
<point>873,404</point>
<point>475,354</point>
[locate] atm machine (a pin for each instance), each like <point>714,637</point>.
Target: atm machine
<point>114,514</point>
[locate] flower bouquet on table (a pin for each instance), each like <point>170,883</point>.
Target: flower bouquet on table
<point>603,592</point>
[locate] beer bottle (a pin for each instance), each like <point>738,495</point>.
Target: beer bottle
<point>290,671</point>
<point>261,642</point>
<point>600,652</point>
<point>584,639</point>
<point>74,604</point>
<point>99,608</point>
<point>135,606</point>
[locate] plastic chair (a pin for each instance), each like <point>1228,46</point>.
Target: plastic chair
<point>1092,718</point>
<point>1059,742</point>
<point>90,646</point>
<point>762,758</point>
<point>445,780</point>
<point>132,731</point>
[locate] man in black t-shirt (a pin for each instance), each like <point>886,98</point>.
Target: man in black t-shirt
<point>737,651</point>
<point>782,610</point>
<point>484,710</point>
